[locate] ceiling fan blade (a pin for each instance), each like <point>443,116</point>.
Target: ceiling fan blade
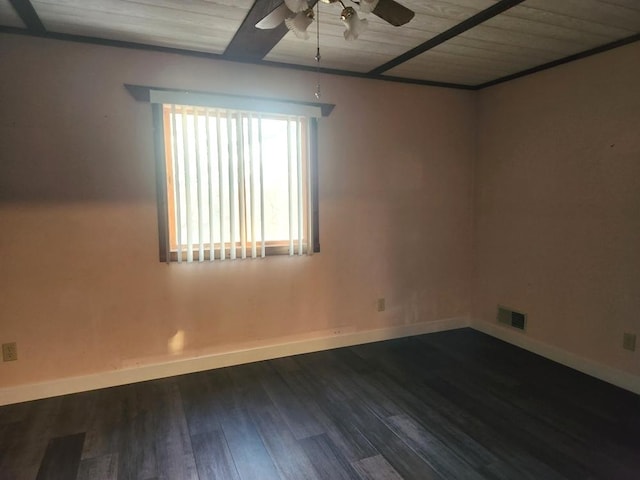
<point>392,12</point>
<point>274,18</point>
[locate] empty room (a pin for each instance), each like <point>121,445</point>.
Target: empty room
<point>300,239</point>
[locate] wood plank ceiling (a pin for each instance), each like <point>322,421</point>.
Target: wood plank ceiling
<point>458,43</point>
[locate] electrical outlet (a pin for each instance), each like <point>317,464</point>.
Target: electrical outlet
<point>629,341</point>
<point>9,352</point>
<point>381,305</point>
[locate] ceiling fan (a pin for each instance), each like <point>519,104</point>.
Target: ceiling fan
<point>298,15</point>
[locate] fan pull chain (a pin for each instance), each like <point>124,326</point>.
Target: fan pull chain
<point>318,57</point>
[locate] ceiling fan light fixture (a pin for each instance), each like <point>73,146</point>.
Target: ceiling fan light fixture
<point>297,5</point>
<point>299,23</point>
<point>368,6</point>
<point>355,25</point>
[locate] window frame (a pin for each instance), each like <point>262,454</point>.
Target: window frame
<point>262,105</point>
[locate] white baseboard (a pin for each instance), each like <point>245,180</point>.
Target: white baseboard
<point>254,353</point>
<point>251,353</point>
<point>598,370</point>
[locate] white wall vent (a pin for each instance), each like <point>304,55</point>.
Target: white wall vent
<point>508,316</point>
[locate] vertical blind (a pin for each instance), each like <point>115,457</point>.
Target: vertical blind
<point>237,183</point>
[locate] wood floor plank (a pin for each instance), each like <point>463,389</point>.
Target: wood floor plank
<point>376,468</point>
<point>197,394</point>
<point>327,459</point>
<point>173,451</point>
<point>62,458</point>
<point>75,414</point>
<point>481,451</point>
<point>251,456</point>
<point>294,413</point>
<point>397,452</point>
<point>477,441</point>
<point>248,389</point>
<point>570,438</point>
<point>104,430</point>
<point>135,447</point>
<point>419,402</point>
<point>317,369</point>
<point>213,458</point>
<point>559,451</point>
<point>377,394</point>
<point>99,468</point>
<point>403,459</point>
<point>245,443</point>
<point>287,454</point>
<point>28,439</point>
<point>16,412</point>
<point>435,452</point>
<point>314,391</point>
<point>9,435</point>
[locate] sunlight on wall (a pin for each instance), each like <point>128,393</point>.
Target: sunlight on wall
<point>175,344</point>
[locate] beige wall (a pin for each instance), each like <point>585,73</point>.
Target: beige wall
<point>557,204</point>
<point>81,288</point>
<point>556,211</point>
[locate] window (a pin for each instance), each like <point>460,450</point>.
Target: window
<point>234,183</point>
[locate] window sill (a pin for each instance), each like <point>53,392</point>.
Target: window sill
<point>272,250</point>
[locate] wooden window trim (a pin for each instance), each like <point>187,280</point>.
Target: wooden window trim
<point>161,130</point>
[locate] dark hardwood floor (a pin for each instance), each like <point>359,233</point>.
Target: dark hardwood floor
<point>451,405</point>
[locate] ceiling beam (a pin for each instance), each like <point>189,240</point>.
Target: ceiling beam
<point>28,14</point>
<point>388,78</point>
<point>468,24</point>
<point>251,43</point>
<point>69,37</point>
